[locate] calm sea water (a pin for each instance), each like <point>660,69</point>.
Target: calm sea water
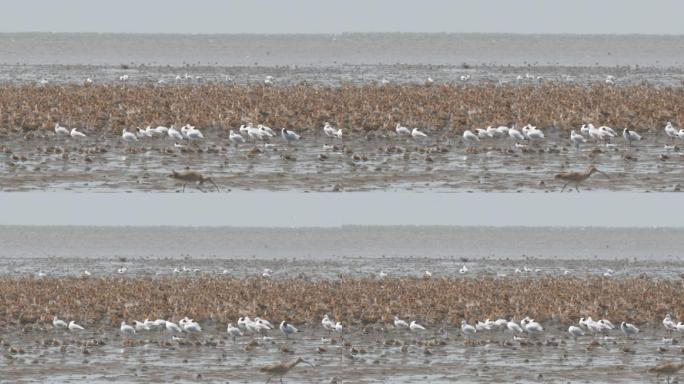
<point>337,59</point>
<point>354,49</point>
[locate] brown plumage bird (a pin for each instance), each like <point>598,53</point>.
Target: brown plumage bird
<point>192,177</point>
<point>281,369</point>
<point>576,178</point>
<point>668,369</point>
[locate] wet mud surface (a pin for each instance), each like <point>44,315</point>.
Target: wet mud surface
<point>380,162</point>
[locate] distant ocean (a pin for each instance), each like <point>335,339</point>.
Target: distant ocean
<point>337,59</point>
<point>329,50</point>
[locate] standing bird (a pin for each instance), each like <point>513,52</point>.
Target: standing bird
<point>289,135</point>
<point>281,369</point>
<point>327,324</point>
<point>399,323</point>
<point>577,139</point>
<point>192,177</point>
<point>402,131</point>
<point>669,324</point>
<point>514,134</point>
<point>128,136</point>
<point>127,329</point>
<point>533,133</point>
<point>514,327</point>
<point>483,134</point>
<point>668,369</point>
<point>194,134</point>
<point>233,331</point>
<point>467,329</point>
<point>61,131</point>
<point>469,137</point>
<point>628,329</point>
<point>531,326</point>
<point>671,131</point>
<point>287,329</point>
<point>172,327</point>
<point>174,134</point>
<point>576,178</point>
<point>57,323</point>
<point>630,136</point>
<point>235,138</point>
<point>331,132</point>
<point>575,331</point>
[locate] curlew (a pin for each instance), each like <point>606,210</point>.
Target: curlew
<point>576,178</point>
<point>281,369</point>
<point>192,177</point>
<point>667,369</point>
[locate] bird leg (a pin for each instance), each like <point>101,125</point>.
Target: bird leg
<point>183,187</point>
<point>577,188</point>
<point>199,186</point>
<point>209,179</point>
<point>565,185</point>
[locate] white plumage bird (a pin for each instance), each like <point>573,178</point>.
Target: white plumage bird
<point>514,134</point>
<point>415,327</point>
<point>128,136</point>
<point>235,138</point>
<point>57,323</point>
<point>61,131</point>
<point>74,327</point>
<point>126,329</point>
<point>287,329</point>
<point>577,139</point>
<point>399,323</point>
<point>289,136</point>
<point>630,136</point>
<point>628,329</point>
<point>467,329</point>
<point>174,133</point>
<point>172,327</point>
<point>417,134</point>
<point>514,327</point>
<point>233,331</point>
<point>402,131</point>
<point>575,331</point>
<point>76,134</point>
<point>469,136</point>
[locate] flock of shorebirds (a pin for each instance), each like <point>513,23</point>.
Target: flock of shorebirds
<point>261,327</point>
<point>264,134</point>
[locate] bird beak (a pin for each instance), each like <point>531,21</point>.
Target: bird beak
<point>603,173</point>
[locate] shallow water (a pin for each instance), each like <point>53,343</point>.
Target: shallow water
<point>212,357</point>
<point>375,164</point>
<point>337,59</point>
<point>324,253</point>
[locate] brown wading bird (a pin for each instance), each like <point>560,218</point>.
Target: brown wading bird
<point>668,369</point>
<point>576,178</point>
<point>281,369</point>
<point>192,177</point>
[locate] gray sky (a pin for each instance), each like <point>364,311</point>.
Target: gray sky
<point>335,16</point>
